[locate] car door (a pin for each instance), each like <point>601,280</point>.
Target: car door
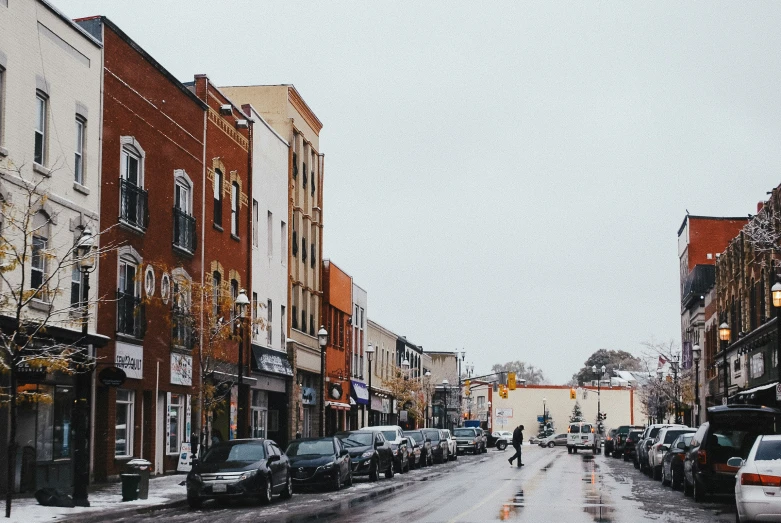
<point>383,450</point>
<point>342,460</point>
<point>280,467</point>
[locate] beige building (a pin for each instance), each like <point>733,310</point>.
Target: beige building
<point>288,114</point>
<point>383,366</point>
<point>525,404</point>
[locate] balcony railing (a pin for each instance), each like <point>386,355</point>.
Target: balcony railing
<point>133,208</point>
<point>184,231</point>
<point>131,315</point>
<point>697,283</point>
<point>182,329</point>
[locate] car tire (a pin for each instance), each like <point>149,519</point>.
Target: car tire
<point>374,471</point>
<point>267,492</point>
<point>389,472</point>
<point>574,450</point>
<point>337,485</point>
<point>551,444</point>
<point>675,481</point>
<point>687,489</point>
<point>485,449</point>
<point>656,473</point>
<point>287,493</point>
<point>569,450</point>
<point>349,482</point>
<point>501,445</point>
<point>194,502</point>
<point>408,465</point>
<point>698,492</point>
<point>636,463</point>
<point>665,481</point>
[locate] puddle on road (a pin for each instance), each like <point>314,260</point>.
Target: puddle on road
<point>512,507</point>
<point>596,502</point>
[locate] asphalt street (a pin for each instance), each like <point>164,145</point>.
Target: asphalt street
<point>552,486</point>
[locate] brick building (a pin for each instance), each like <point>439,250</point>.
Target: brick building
<point>151,191</point>
<point>337,320</point>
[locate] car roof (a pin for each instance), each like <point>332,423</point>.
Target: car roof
<point>742,407</point>
<point>384,427</point>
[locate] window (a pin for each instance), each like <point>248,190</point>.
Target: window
<point>184,222</point>
<point>218,197</point>
<point>53,410</point>
<point>216,283</point>
<point>303,249</point>
<point>123,431</point>
<point>235,209</point>
<point>181,320</point>
<point>283,243</point>
<point>76,282</point>
<point>38,265</point>
<point>282,326</point>
<point>270,233</point>
<point>133,208</point>
<point>255,224</point>
<point>78,166</point>
<point>312,257</point>
<point>130,311</point>
<point>2,106</point>
<point>176,422</point>
<point>269,317</point>
<point>303,320</point>
<point>255,315</point>
<point>41,109</point>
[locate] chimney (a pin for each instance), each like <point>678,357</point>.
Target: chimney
<point>760,205</point>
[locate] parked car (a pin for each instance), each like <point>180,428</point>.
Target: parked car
<point>396,438</point>
<point>320,462</point>
<point>483,439</point>
<point>240,468</point>
<point>467,440</point>
<point>500,439</point>
<point>651,431</point>
<point>758,481</point>
<point>582,435</point>
<point>370,453</point>
<point>621,431</point>
<point>729,432</point>
<point>629,448</point>
<point>440,449</point>
<point>452,452</point>
<point>661,445</point>
<point>426,458</point>
<point>609,439</point>
<point>553,441</point>
<point>672,465</point>
<point>413,453</point>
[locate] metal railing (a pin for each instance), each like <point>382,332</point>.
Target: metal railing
<point>131,315</point>
<point>133,208</point>
<point>184,231</point>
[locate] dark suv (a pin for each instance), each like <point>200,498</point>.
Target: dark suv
<point>630,445</point>
<point>729,432</point>
<point>616,449</point>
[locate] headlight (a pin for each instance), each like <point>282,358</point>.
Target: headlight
<point>247,475</point>
<point>327,466</point>
<point>367,454</point>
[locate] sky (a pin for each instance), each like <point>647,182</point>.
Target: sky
<point>507,178</point>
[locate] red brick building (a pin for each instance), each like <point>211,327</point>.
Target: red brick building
<point>152,191</point>
<point>336,314</point>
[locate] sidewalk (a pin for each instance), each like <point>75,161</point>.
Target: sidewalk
<point>105,499</point>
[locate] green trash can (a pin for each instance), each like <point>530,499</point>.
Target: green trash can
<point>130,486</point>
<point>143,468</point>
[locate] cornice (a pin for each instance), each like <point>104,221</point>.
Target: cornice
<point>303,109</point>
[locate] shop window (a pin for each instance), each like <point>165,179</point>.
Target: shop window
<point>123,446</point>
<point>175,422</point>
<point>53,409</point>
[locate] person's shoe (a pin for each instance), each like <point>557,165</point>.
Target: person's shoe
<point>510,460</point>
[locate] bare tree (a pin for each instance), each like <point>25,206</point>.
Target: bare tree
<point>523,371</point>
<point>43,307</point>
<point>667,385</point>
<point>409,393</point>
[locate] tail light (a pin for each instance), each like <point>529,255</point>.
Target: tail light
<point>592,430</point>
<point>760,480</point>
<point>702,457</point>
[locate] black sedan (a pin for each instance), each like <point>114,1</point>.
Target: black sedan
<point>672,465</point>
<point>370,453</point>
<point>320,462</point>
<point>240,468</point>
<point>439,448</point>
<point>425,446</point>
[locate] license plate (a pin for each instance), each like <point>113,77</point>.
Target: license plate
<point>220,487</point>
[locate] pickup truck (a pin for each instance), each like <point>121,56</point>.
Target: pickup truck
<point>468,439</point>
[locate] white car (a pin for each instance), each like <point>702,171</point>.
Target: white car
<point>661,444</point>
<point>758,482</point>
<point>452,447</point>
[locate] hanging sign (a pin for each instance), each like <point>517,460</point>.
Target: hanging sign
<point>112,377</point>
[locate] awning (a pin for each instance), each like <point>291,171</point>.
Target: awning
<point>756,389</point>
<point>270,360</point>
<point>337,405</point>
<point>359,392</point>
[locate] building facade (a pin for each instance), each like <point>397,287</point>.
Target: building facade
<point>381,368</point>
<point>359,391</point>
<point>337,320</point>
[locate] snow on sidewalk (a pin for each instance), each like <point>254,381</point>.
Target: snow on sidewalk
<point>104,498</point>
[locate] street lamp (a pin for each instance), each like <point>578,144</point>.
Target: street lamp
<point>488,423</point>
<point>696,358</point>
<point>460,386</point>
<point>659,413</point>
<point>322,340</point>
<point>370,357</point>
<point>242,303</point>
<point>446,392</point>
<point>724,335</point>
<point>83,379</point>
<point>405,368</point>
<point>599,393</point>
<point>544,416</point>
<point>427,377</point>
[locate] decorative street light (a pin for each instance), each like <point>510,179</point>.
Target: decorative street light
<point>659,412</point>
<point>370,357</point>
<point>696,358</point>
<point>460,386</point>
<point>322,340</point>
<point>446,390</point>
<point>83,380</point>
<point>427,378</point>
<point>242,303</point>
<point>405,368</point>
<point>599,372</point>
<point>724,335</point>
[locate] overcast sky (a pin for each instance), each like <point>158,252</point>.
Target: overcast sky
<point>505,177</point>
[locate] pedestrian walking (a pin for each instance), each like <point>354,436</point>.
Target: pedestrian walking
<point>517,442</point>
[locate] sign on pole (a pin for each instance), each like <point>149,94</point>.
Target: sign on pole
<point>504,413</point>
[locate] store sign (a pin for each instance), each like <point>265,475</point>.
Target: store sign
<point>181,369</point>
<point>130,358</point>
<point>112,377</point>
<point>308,396</point>
<point>270,360</point>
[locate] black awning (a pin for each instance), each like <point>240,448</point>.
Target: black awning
<point>270,360</point>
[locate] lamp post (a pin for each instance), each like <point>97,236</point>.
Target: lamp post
<point>544,415</point>
<point>427,377</point>
<point>83,379</point>
<point>599,372</point>
<point>488,423</point>
<point>242,303</point>
<point>446,391</point>
<point>696,358</point>
<point>659,412</point>
<point>460,386</point>
<point>674,365</point>
<point>724,335</point>
<point>322,340</point>
<point>370,357</point>
<point>775,290</point>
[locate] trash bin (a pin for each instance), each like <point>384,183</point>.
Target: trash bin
<point>143,468</point>
<point>130,486</point>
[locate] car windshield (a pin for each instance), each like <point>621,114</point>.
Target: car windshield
<point>672,435</point>
<point>463,432</point>
<point>417,436</point>
<point>356,439</point>
<point>433,435</point>
<point>390,435</point>
<point>654,431</point>
<point>245,452</point>
<point>574,429</point>
<point>318,447</point>
<point>768,450</point>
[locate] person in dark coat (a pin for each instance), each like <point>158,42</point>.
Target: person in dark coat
<point>517,442</point>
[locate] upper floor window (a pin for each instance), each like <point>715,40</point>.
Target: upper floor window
<point>39,261</point>
<point>41,127</point>
<point>2,103</point>
<point>216,283</point>
<point>78,166</point>
<point>255,224</point>
<point>133,198</point>
<point>182,322</point>
<point>269,318</point>
<point>235,209</point>
<point>218,197</point>
<point>130,310</point>
<point>184,222</point>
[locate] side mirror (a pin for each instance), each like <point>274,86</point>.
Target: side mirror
<point>681,445</point>
<point>403,441</point>
<point>378,444</point>
<point>272,459</point>
<point>344,452</point>
<point>735,462</point>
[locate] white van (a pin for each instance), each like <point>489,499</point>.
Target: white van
<point>583,435</point>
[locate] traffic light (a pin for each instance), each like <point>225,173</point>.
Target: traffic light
<point>467,383</point>
<point>511,380</point>
<point>503,391</point>
<point>604,416</point>
<point>573,394</point>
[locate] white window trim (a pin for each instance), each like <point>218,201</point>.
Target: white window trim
<point>181,178</point>
<point>130,425</point>
<point>130,145</point>
<point>40,95</point>
<point>182,405</point>
<point>80,177</point>
<point>127,254</point>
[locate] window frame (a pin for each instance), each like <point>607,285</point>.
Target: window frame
<point>2,105</point>
<point>41,128</point>
<point>129,403</point>
<point>78,165</point>
<point>180,408</point>
<point>235,194</point>
<point>217,188</point>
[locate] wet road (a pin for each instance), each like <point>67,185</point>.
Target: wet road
<point>552,486</point>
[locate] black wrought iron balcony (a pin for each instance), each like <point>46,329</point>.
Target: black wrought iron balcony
<point>697,283</point>
<point>182,328</point>
<point>133,208</point>
<point>184,231</point>
<point>131,315</point>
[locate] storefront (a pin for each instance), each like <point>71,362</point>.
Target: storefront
<point>337,406</point>
<point>270,393</point>
<point>359,404</point>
